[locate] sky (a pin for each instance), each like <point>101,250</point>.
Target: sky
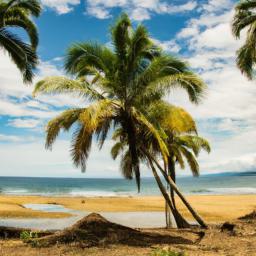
<point>198,31</point>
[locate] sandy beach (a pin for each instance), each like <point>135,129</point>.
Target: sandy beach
<point>213,208</point>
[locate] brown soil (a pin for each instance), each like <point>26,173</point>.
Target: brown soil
<point>96,236</point>
<point>94,230</point>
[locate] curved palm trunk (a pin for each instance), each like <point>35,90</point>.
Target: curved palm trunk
<point>171,172</point>
<point>183,199</point>
<point>181,222</point>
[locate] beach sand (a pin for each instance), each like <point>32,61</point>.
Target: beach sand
<point>213,208</point>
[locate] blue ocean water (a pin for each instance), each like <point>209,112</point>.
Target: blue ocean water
<point>227,183</point>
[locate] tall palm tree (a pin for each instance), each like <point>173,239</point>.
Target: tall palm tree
<point>245,19</point>
<point>17,13</point>
<point>122,83</point>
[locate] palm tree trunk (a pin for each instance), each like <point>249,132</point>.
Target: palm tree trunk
<point>183,199</point>
<point>168,213</point>
<point>180,221</point>
<point>171,172</point>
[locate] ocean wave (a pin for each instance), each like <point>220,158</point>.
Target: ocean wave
<point>98,193</point>
<point>226,191</point>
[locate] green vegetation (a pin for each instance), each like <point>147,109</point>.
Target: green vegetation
<point>126,87</point>
<point>245,19</point>
<point>17,14</point>
<point>25,236</point>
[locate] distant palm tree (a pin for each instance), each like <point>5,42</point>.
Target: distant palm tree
<point>17,14</point>
<point>122,83</point>
<point>245,18</point>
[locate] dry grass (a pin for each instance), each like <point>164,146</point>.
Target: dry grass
<point>212,208</point>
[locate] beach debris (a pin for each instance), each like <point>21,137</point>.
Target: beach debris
<point>94,230</point>
<point>227,226</point>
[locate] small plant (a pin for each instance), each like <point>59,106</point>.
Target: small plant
<point>28,235</point>
<point>167,252</point>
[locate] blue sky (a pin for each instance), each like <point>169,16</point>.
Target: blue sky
<point>198,31</point>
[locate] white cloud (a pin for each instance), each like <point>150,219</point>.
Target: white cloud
<point>31,159</point>
<point>61,6</point>
<point>169,46</point>
<point>15,97</point>
<point>24,123</point>
<point>217,5</point>
<point>138,9</point>
<point>14,139</point>
<point>226,116</point>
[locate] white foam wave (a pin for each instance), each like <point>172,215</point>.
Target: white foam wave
<point>98,193</point>
<point>227,191</point>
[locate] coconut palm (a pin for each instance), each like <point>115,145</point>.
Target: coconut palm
<point>245,19</point>
<point>17,14</point>
<point>182,145</point>
<point>120,84</point>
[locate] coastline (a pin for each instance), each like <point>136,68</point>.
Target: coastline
<point>213,208</point>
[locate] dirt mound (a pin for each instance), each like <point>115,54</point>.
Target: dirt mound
<point>250,216</point>
<point>94,230</point>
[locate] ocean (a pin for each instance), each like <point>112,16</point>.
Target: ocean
<point>225,183</point>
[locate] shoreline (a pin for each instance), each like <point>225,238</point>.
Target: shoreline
<point>213,208</point>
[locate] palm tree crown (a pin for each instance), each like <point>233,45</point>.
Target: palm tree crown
<point>123,84</point>
<point>245,18</point>
<point>17,13</point>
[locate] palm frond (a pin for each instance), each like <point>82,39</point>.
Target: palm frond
<point>88,58</point>
<point>246,58</point>
<point>195,143</point>
<point>245,5</point>
<point>141,119</point>
<point>21,53</point>
<point>117,149</point>
<point>17,18</point>
<point>58,85</point>
<point>64,121</point>
<point>193,164</point>
<point>81,145</point>
<point>126,165</point>
<point>241,20</point>
<point>120,36</point>
<point>32,7</point>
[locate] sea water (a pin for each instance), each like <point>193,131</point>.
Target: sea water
<point>227,183</point>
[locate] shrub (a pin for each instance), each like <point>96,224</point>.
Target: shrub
<point>27,235</point>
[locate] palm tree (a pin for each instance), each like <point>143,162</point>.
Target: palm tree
<point>178,125</point>
<point>17,13</point>
<point>184,146</point>
<point>245,18</point>
<point>122,84</point>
